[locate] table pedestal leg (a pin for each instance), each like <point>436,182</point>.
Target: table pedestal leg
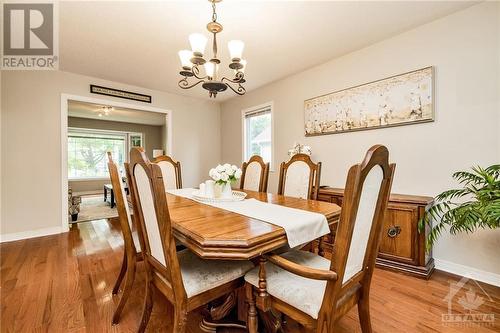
<point>213,318</point>
<point>271,321</point>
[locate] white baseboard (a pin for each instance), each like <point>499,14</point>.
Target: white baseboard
<point>30,234</point>
<point>468,272</point>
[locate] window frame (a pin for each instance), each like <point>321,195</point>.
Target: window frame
<point>125,134</point>
<point>244,113</point>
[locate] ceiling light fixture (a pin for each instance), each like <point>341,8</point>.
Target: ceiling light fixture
<point>105,110</point>
<point>191,60</point>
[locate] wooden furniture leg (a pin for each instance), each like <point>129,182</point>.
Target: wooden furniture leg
<point>213,319</point>
<point>148,307</point>
<point>127,289</point>
<point>321,249</point>
<point>263,299</point>
<point>271,322</point>
<point>252,320</point>
<point>123,269</point>
<point>364,313</point>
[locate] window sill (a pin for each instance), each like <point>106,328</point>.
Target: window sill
<point>87,179</point>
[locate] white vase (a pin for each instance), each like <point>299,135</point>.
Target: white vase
<point>227,191</point>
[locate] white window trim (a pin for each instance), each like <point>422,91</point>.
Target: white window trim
<point>126,138</point>
<point>244,112</point>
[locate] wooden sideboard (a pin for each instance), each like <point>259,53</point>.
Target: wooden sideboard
<point>402,247</point>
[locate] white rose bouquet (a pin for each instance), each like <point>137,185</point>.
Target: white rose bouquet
<point>225,174</point>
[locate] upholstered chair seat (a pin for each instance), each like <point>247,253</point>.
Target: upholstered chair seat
<point>199,275</point>
<point>302,293</point>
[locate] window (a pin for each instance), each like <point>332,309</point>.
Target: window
<point>258,133</point>
<point>87,150</point>
<point>135,140</point>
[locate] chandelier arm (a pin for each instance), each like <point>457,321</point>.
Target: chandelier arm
<point>240,90</point>
<point>196,71</point>
<point>237,79</point>
<point>184,84</point>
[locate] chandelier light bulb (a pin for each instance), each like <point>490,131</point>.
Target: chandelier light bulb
<point>198,43</point>
<point>211,69</point>
<point>244,63</point>
<point>185,56</point>
<point>236,49</point>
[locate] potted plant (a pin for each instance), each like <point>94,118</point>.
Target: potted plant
<point>476,204</point>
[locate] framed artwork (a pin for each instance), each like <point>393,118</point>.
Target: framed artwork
<point>135,140</point>
<point>398,100</point>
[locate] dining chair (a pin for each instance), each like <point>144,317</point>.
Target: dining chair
<point>186,280</point>
<point>171,171</point>
<point>255,174</point>
<point>315,291</point>
<point>299,177</point>
<point>132,253</point>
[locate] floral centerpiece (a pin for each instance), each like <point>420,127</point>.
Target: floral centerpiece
<point>224,176</point>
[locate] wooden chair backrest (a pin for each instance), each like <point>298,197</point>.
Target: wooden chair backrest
<point>150,206</point>
<point>367,191</point>
<point>171,171</point>
<point>255,174</point>
<point>300,177</point>
<point>122,207</point>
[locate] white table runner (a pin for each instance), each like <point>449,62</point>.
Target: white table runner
<point>300,226</point>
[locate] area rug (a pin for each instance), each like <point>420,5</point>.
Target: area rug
<point>94,208</point>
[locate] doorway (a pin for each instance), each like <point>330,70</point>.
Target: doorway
<point>90,128</point>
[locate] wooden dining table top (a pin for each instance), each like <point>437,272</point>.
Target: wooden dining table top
<point>215,233</point>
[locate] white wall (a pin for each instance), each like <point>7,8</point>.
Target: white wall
<point>31,143</point>
<point>464,48</point>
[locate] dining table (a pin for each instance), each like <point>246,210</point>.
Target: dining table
<point>217,234</point>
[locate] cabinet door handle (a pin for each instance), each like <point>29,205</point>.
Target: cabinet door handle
<point>394,231</point>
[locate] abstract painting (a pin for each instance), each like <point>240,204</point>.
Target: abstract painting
<point>398,100</point>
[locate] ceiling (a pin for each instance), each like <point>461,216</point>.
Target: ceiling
<point>137,42</point>
<point>91,111</point>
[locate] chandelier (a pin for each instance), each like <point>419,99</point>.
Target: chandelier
<point>105,111</point>
<point>191,61</point>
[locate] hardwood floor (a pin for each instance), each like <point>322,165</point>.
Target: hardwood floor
<point>63,283</point>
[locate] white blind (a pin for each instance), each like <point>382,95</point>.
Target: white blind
<point>258,112</point>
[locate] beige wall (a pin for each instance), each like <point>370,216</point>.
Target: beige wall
<point>464,48</point>
<point>152,136</point>
<point>31,143</point>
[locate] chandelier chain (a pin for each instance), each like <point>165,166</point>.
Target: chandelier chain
<point>214,14</point>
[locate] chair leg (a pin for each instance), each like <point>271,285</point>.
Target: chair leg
<point>252,320</point>
<point>119,280</point>
<point>148,307</point>
<point>127,289</point>
<point>364,314</point>
<point>180,321</point>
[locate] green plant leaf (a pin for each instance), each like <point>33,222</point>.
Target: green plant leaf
<point>475,205</point>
